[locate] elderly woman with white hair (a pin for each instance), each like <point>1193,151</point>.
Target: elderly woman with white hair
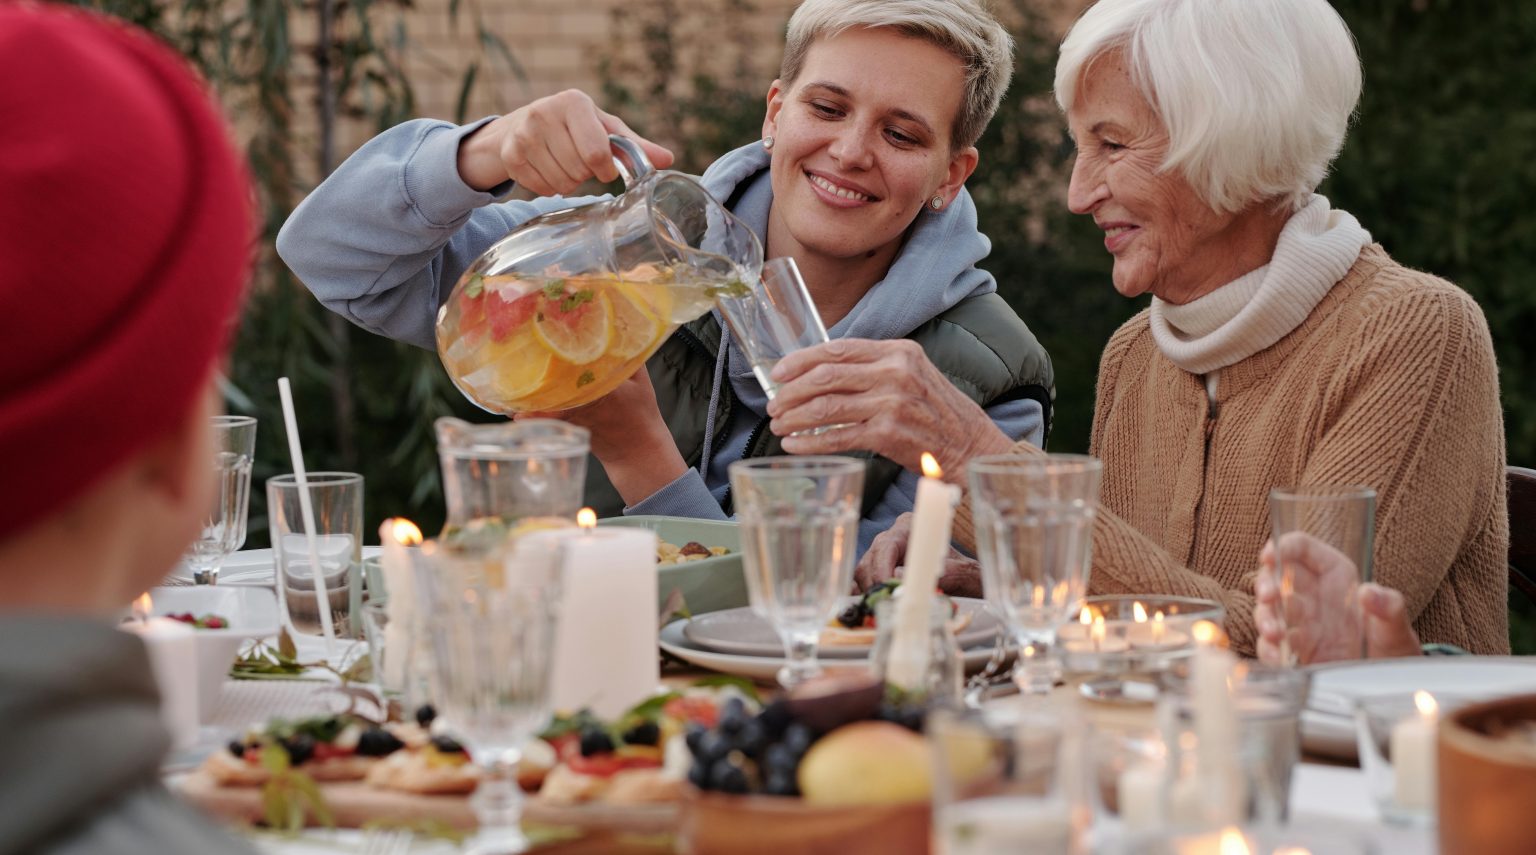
<point>1282,347</point>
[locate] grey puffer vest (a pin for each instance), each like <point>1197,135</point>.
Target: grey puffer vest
<point>980,344</point>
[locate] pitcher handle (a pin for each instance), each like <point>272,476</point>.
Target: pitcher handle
<point>630,159</point>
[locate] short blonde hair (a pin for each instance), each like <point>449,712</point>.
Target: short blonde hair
<point>963,27</point>
<point>1256,95</point>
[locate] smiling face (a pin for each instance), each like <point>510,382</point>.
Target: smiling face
<point>862,144</point>
<point>1164,238</point>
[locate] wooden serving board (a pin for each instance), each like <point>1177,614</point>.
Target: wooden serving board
<point>354,804</point>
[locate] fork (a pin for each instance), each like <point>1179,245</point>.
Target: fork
<point>976,687</point>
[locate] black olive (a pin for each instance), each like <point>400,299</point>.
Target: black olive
<point>447,745</point>
<point>644,733</point>
<point>425,714</point>
<point>237,748</point>
<point>595,740</point>
<point>300,747</point>
<point>853,616</point>
<point>377,742</point>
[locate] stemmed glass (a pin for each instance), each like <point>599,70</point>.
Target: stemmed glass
<point>491,633</point>
<point>1034,533</point>
<point>223,529</point>
<point>799,534</point>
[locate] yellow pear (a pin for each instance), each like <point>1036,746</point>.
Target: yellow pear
<point>867,763</point>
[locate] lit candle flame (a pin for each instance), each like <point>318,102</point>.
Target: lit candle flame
<point>586,518</point>
<point>143,606</point>
<point>1232,843</point>
<point>931,467</point>
<point>1207,633</point>
<point>1426,704</point>
<point>1085,616</point>
<point>1097,632</point>
<point>1157,626</point>
<point>1037,596</point>
<point>405,532</point>
<point>1139,613</point>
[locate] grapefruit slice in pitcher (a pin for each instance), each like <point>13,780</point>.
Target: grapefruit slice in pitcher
<point>576,326</point>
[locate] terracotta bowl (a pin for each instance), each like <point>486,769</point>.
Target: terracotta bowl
<point>1487,778</point>
<point>771,825</point>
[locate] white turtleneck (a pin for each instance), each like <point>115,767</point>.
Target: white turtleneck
<point>1316,248</point>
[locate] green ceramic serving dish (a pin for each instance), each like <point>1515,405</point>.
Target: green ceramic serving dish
<point>707,585</point>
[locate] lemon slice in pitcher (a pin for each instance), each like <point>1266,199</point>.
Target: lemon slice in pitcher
<point>635,322</point>
<point>521,367</point>
<point>576,327</point>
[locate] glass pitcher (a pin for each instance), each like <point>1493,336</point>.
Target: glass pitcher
<point>503,478</point>
<point>566,307</point>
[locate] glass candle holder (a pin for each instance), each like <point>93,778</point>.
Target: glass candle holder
<point>945,671</point>
<point>1120,643</point>
<point>1397,746</point>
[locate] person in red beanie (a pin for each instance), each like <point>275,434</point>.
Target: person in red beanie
<point>126,227</point>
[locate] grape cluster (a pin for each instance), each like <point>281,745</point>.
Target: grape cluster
<point>747,753</point>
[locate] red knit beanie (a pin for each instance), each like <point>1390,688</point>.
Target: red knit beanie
<point>126,237</point>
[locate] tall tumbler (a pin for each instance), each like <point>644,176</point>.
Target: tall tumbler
<point>1034,534</point>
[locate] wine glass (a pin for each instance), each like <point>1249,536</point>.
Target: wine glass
<point>490,630</point>
<point>223,529</point>
<point>1034,532</point>
<point>799,534</point>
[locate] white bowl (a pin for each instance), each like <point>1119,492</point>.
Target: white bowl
<point>251,612</point>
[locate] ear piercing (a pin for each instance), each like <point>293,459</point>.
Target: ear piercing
<point>768,143</point>
<point>936,202</point>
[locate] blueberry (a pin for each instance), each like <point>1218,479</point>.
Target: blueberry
<point>300,747</point>
<point>779,758</point>
<point>774,718</point>
<point>853,616</point>
<point>712,747</point>
<point>447,745</point>
<point>798,738</point>
<point>694,738</point>
<point>595,740</point>
<point>377,742</point>
<point>912,718</point>
<point>425,714</point>
<point>733,716</point>
<point>751,739</point>
<point>781,784</point>
<point>644,733</point>
<point>698,775</point>
<point>728,777</point>
<point>237,748</point>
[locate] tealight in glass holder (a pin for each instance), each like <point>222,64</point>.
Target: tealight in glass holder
<point>1397,744</point>
<point>1120,644</point>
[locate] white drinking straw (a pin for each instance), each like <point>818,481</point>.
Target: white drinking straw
<point>307,510</point>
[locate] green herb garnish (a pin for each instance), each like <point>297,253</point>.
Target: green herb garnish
<point>475,287</point>
<point>576,299</point>
<point>733,288</point>
<point>585,378</point>
<point>554,289</point>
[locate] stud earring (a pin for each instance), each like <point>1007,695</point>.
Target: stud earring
<point>937,202</point>
<point>768,143</point>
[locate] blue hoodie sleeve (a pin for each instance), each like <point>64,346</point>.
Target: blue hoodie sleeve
<point>1020,419</point>
<point>383,239</point>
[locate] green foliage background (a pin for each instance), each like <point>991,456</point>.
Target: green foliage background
<point>1440,166</point>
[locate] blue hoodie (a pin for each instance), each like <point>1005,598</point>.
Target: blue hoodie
<point>384,239</point>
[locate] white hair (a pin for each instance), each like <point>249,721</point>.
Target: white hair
<point>1256,95</point>
<point>963,27</point>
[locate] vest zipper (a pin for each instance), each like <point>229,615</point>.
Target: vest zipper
<point>1207,429</point>
<point>757,431</point>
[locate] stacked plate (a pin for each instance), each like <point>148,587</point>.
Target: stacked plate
<point>738,641</point>
<point>1328,723</point>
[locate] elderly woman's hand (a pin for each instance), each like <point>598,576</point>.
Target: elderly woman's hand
<point>885,397</point>
<point>960,577</point>
<point>1322,626</point>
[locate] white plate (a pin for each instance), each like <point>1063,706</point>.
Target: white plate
<point>246,567</point>
<point>1328,725</point>
<point>766,668</point>
<point>742,631</point>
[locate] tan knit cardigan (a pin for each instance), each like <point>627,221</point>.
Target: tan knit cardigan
<point>1389,382</point>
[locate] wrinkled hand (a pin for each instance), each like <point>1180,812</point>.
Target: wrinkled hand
<point>889,399</point>
<point>1320,618</point>
<point>549,146</point>
<point>629,437</point>
<point>960,577</point>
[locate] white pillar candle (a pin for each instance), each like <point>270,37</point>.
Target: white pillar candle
<point>1139,794</point>
<point>605,643</point>
<point>172,648</point>
<point>927,546</point>
<point>1216,748</point>
<point>1413,756</point>
<point>400,539</point>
